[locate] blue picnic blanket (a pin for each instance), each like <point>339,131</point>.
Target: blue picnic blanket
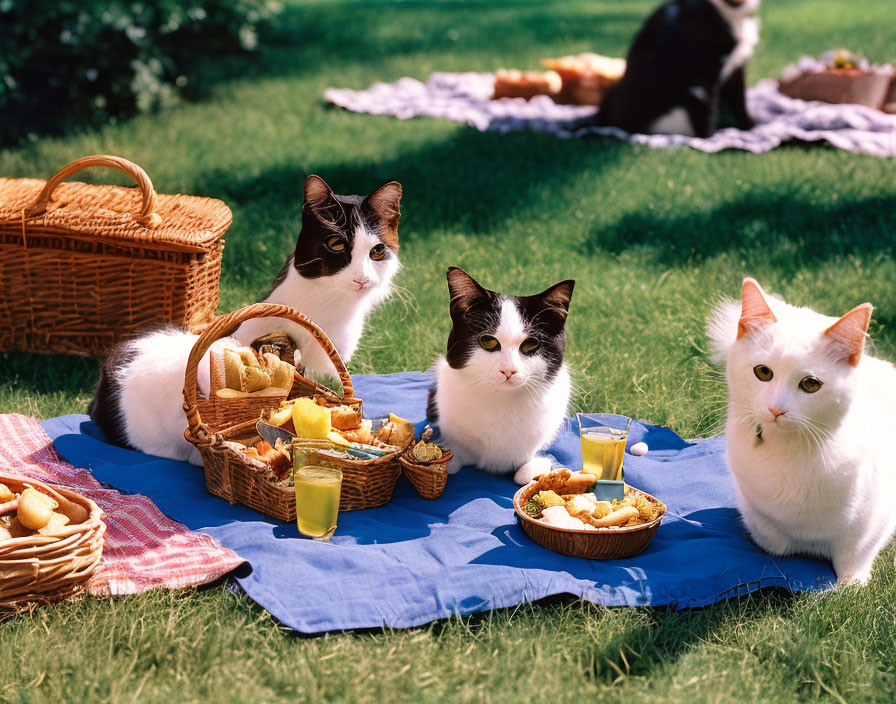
<point>414,561</point>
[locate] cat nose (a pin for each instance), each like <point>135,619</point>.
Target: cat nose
<point>362,282</point>
<point>508,374</point>
<point>775,412</point>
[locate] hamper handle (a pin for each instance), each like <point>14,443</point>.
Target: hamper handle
<point>147,215</point>
<point>225,324</point>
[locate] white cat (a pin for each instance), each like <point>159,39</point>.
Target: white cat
<point>502,390</point>
<point>343,265</point>
<point>810,434</point>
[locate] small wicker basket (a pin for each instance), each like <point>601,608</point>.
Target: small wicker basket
<point>601,544</point>
<point>365,483</point>
<point>45,568</point>
<point>83,266</point>
<point>429,478</point>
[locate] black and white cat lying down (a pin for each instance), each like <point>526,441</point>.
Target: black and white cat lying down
<point>345,258</point>
<point>502,389</point>
<point>685,65</point>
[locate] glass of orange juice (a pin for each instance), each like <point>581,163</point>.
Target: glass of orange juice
<point>317,500</point>
<point>603,444</point>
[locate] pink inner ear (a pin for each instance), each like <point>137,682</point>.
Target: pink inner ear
<point>849,333</point>
<point>755,310</point>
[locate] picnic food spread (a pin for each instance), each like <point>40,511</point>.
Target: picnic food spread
<point>32,512</point>
<point>563,499</point>
<point>337,432</point>
<point>581,79</point>
<point>840,76</point>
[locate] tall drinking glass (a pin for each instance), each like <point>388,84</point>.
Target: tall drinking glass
<point>603,444</point>
<point>317,500</point>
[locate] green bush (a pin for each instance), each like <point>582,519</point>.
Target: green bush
<point>67,62</point>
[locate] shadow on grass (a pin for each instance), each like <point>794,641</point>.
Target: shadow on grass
<point>785,227</point>
<point>54,373</point>
<point>481,179</point>
<point>305,40</point>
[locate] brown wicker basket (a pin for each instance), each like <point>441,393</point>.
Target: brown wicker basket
<point>428,478</point>
<point>601,544</point>
<point>365,483</point>
<point>82,267</point>
<point>45,568</point>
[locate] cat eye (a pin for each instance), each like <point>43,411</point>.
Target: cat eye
<point>378,252</point>
<point>810,384</point>
<point>335,243</point>
<point>763,373</point>
<point>487,342</point>
<point>530,346</point>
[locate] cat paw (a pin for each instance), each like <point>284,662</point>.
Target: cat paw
<point>453,466</point>
<point>859,579</point>
<point>530,470</point>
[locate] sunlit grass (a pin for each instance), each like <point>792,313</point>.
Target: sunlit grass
<point>653,238</point>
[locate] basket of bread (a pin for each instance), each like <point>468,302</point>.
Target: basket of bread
<point>51,541</point>
<point>251,437</point>
<point>559,511</point>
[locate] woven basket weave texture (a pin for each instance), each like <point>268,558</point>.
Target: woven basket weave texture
<point>84,266</point>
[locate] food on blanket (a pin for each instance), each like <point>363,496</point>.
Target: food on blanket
<point>568,495</point>
<point>840,76</point>
<point>345,417</point>
<point>558,517</point>
<point>566,482</point>
<point>363,434</point>
<point>246,373</point>
<point>35,508</point>
<point>397,431</point>
<point>525,84</point>
<point>32,512</point>
<point>313,422</point>
<point>426,451</point>
<point>585,77</point>
<point>639,449</point>
<point>278,457</point>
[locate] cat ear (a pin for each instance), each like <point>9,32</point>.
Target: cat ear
<point>558,296</point>
<point>848,334</point>
<point>464,289</point>
<point>385,204</point>
<point>320,200</point>
<point>317,192</point>
<point>755,311</point>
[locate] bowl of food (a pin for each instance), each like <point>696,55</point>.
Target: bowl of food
<point>559,512</point>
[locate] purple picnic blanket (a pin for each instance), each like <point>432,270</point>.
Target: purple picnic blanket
<point>466,97</point>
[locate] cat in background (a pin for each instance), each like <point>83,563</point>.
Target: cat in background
<point>345,258</point>
<point>683,66</point>
<point>502,389</point>
<point>810,427</point>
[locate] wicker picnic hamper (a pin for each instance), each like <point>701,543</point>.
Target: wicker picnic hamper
<point>428,478</point>
<point>365,483</point>
<point>83,266</point>
<point>44,568</point>
<point>603,544</point>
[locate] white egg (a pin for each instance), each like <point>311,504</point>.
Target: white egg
<point>638,449</point>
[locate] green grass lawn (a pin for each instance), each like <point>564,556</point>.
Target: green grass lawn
<point>652,238</point>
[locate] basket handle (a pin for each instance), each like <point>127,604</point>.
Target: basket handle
<point>147,215</point>
<point>224,325</point>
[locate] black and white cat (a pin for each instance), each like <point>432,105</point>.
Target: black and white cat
<point>684,65</point>
<point>345,258</point>
<point>502,389</point>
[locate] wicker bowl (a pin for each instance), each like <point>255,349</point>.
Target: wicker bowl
<point>45,568</point>
<point>428,478</point>
<point>601,544</point>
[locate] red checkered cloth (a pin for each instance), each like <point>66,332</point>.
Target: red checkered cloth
<point>144,548</point>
